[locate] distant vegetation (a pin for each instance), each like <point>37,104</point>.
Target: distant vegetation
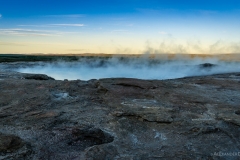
<point>34,58</point>
<point>58,57</point>
<point>55,57</point>
<point>122,57</point>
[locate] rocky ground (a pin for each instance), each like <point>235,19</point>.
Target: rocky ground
<point>121,119</point>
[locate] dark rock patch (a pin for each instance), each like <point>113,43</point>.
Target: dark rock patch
<point>87,137</point>
<point>129,85</point>
<point>101,153</point>
<point>237,112</point>
<point>148,114</point>
<point>10,143</point>
<point>135,83</point>
<point>5,115</point>
<point>207,65</point>
<point>71,142</point>
<point>210,129</point>
<point>38,77</point>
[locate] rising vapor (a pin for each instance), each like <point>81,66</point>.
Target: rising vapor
<point>144,67</point>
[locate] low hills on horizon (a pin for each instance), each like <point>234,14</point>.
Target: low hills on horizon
<point>74,57</point>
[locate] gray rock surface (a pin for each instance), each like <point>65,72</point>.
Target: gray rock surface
<point>121,119</point>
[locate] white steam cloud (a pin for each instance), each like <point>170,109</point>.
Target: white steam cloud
<point>142,68</point>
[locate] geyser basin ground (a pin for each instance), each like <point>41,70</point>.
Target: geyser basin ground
<point>141,68</point>
<point>190,118</point>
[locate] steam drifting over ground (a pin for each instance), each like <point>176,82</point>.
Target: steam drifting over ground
<point>133,67</point>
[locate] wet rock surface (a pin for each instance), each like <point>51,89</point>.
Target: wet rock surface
<point>188,118</point>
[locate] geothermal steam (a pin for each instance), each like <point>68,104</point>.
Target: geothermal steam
<point>129,67</point>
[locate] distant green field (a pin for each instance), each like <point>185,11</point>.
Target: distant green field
<point>34,58</point>
<point>76,57</point>
<point>54,57</point>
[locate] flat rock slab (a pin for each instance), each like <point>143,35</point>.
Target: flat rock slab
<point>188,118</point>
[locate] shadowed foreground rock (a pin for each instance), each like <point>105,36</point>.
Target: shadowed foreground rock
<point>188,118</point>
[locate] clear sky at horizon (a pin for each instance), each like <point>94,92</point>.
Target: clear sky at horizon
<point>120,26</point>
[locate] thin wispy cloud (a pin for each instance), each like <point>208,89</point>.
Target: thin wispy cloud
<point>152,11</point>
<point>69,25</point>
<point>30,43</point>
<point>66,16</point>
<point>27,25</point>
<point>51,25</point>
<point>28,32</point>
<point>0,16</point>
<point>33,32</point>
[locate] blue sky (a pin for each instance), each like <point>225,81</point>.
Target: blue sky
<point>120,26</point>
